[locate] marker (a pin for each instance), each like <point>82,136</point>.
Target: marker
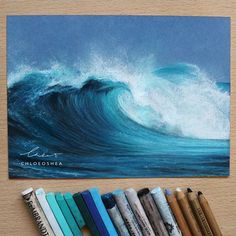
<point>37,212</point>
<point>41,196</point>
<point>165,212</point>
<point>102,210</point>
<point>95,213</point>
<point>115,215</point>
<point>187,212</point>
<point>209,214</point>
<point>67,214</point>
<point>86,214</point>
<point>139,212</point>
<point>58,214</point>
<point>152,212</point>
<point>172,201</point>
<point>197,210</point>
<point>127,213</point>
<point>74,210</point>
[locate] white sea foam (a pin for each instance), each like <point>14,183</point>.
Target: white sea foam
<point>194,108</point>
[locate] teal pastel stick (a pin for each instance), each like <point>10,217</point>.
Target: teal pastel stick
<point>58,214</point>
<point>74,210</point>
<point>103,212</point>
<point>67,214</point>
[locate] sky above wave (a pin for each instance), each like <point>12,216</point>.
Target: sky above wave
<point>39,41</point>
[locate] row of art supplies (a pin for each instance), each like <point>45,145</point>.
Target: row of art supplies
<point>123,213</point>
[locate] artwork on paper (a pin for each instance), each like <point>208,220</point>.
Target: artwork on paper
<point>118,96</point>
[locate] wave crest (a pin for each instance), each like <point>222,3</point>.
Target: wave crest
<point>177,100</point>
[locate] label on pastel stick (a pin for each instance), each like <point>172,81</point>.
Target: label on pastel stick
<point>115,215</point>
<point>118,221</point>
<point>40,194</point>
<point>152,212</point>
<point>139,213</point>
<point>127,213</point>
<point>165,212</point>
<point>36,211</point>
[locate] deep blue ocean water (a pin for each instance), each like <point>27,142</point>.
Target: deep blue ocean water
<point>163,122</point>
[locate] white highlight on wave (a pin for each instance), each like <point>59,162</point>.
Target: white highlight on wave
<point>193,108</point>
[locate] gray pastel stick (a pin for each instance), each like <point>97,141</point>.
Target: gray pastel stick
<point>152,212</point>
<point>139,212</point>
<point>115,215</point>
<point>39,217</point>
<point>127,213</point>
<point>165,212</point>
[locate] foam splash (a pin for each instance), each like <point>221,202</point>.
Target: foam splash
<point>179,100</point>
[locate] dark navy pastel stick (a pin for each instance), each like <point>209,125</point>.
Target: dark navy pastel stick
<point>95,213</point>
<point>86,214</point>
<point>115,215</point>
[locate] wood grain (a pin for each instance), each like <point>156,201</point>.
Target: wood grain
<point>221,192</point>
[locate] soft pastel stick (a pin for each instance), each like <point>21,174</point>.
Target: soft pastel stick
<point>165,212</point>
<point>114,213</point>
<point>37,212</point>
<point>172,201</point>
<point>101,208</point>
<point>74,209</point>
<point>67,214</point>
<point>58,214</point>
<point>41,196</point>
<point>86,214</point>
<point>127,213</point>
<point>139,212</point>
<point>152,212</point>
<point>95,213</point>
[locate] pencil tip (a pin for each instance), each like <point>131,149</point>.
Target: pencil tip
<point>199,193</point>
<point>189,190</point>
<point>168,192</point>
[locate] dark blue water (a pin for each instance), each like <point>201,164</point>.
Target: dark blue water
<point>65,124</point>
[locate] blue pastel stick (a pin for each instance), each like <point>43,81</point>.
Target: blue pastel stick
<point>95,213</point>
<point>74,210</point>
<point>58,214</point>
<point>67,214</point>
<point>103,212</point>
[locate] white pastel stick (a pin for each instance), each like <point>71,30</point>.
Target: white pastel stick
<point>127,213</point>
<point>165,211</point>
<point>37,212</point>
<point>41,196</point>
<point>139,212</point>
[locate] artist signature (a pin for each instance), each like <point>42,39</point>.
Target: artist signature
<point>35,152</point>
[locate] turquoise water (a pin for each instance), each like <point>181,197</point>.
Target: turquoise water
<point>163,122</point>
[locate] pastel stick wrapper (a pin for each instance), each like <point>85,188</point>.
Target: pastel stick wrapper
<point>166,213</point>
<point>115,215</point>
<point>139,212</point>
<point>152,212</point>
<point>37,212</point>
<point>127,213</point>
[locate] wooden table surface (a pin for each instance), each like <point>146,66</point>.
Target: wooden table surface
<point>15,220</point>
